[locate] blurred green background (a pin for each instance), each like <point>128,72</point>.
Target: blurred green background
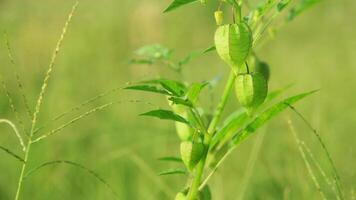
<point>316,50</point>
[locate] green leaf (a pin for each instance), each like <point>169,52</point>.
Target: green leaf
<point>171,159</point>
<point>282,4</point>
<point>176,4</point>
<point>194,91</point>
<point>174,87</point>
<point>190,57</point>
<point>212,48</point>
<point>147,88</point>
<point>265,116</point>
<point>205,193</point>
<point>237,119</point>
<point>232,2</point>
<point>264,8</point>
<point>172,172</point>
<point>180,101</point>
<point>232,124</point>
<point>165,114</point>
<point>155,51</point>
<point>301,7</point>
<point>274,94</point>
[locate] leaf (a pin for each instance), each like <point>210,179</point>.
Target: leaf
<point>272,95</point>
<point>174,87</point>
<point>176,4</point>
<point>264,8</point>
<point>194,91</point>
<point>301,7</point>
<point>212,48</point>
<point>165,114</point>
<point>190,57</point>
<point>232,2</point>
<point>232,124</point>
<point>147,88</point>
<point>266,116</point>
<point>172,172</point>
<point>154,51</point>
<point>171,159</point>
<point>282,5</point>
<point>180,101</point>
<point>205,193</point>
<point>141,61</point>
<point>237,119</point>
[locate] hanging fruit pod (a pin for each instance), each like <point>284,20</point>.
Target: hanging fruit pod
<point>233,43</point>
<point>251,89</point>
<point>191,153</point>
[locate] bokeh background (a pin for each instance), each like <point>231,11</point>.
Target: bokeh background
<point>316,50</point>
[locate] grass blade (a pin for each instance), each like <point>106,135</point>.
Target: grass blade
<point>12,154</point>
<point>74,164</point>
<point>172,172</point>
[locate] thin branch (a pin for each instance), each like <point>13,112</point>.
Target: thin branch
<point>321,142</point>
<point>96,109</point>
<point>12,154</point>
<point>76,108</point>
<point>12,105</point>
<point>12,125</point>
<point>18,79</point>
<point>74,164</point>
<point>307,164</point>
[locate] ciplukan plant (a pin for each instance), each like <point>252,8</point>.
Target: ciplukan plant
<point>205,138</point>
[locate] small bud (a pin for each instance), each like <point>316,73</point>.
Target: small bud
<point>219,17</point>
<point>203,2</point>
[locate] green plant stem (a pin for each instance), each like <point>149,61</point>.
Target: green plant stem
<point>194,188</point>
<point>23,168</point>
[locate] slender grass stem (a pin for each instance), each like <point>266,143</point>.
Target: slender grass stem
<point>194,188</point>
<point>40,99</point>
<point>307,164</point>
<point>328,155</point>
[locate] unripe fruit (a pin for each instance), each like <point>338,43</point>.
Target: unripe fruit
<point>233,43</point>
<point>219,17</point>
<point>180,196</point>
<point>184,131</point>
<point>251,89</point>
<point>191,153</point>
<point>263,68</point>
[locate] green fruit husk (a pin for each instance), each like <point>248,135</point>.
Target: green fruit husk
<point>233,43</point>
<point>191,153</point>
<point>251,90</point>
